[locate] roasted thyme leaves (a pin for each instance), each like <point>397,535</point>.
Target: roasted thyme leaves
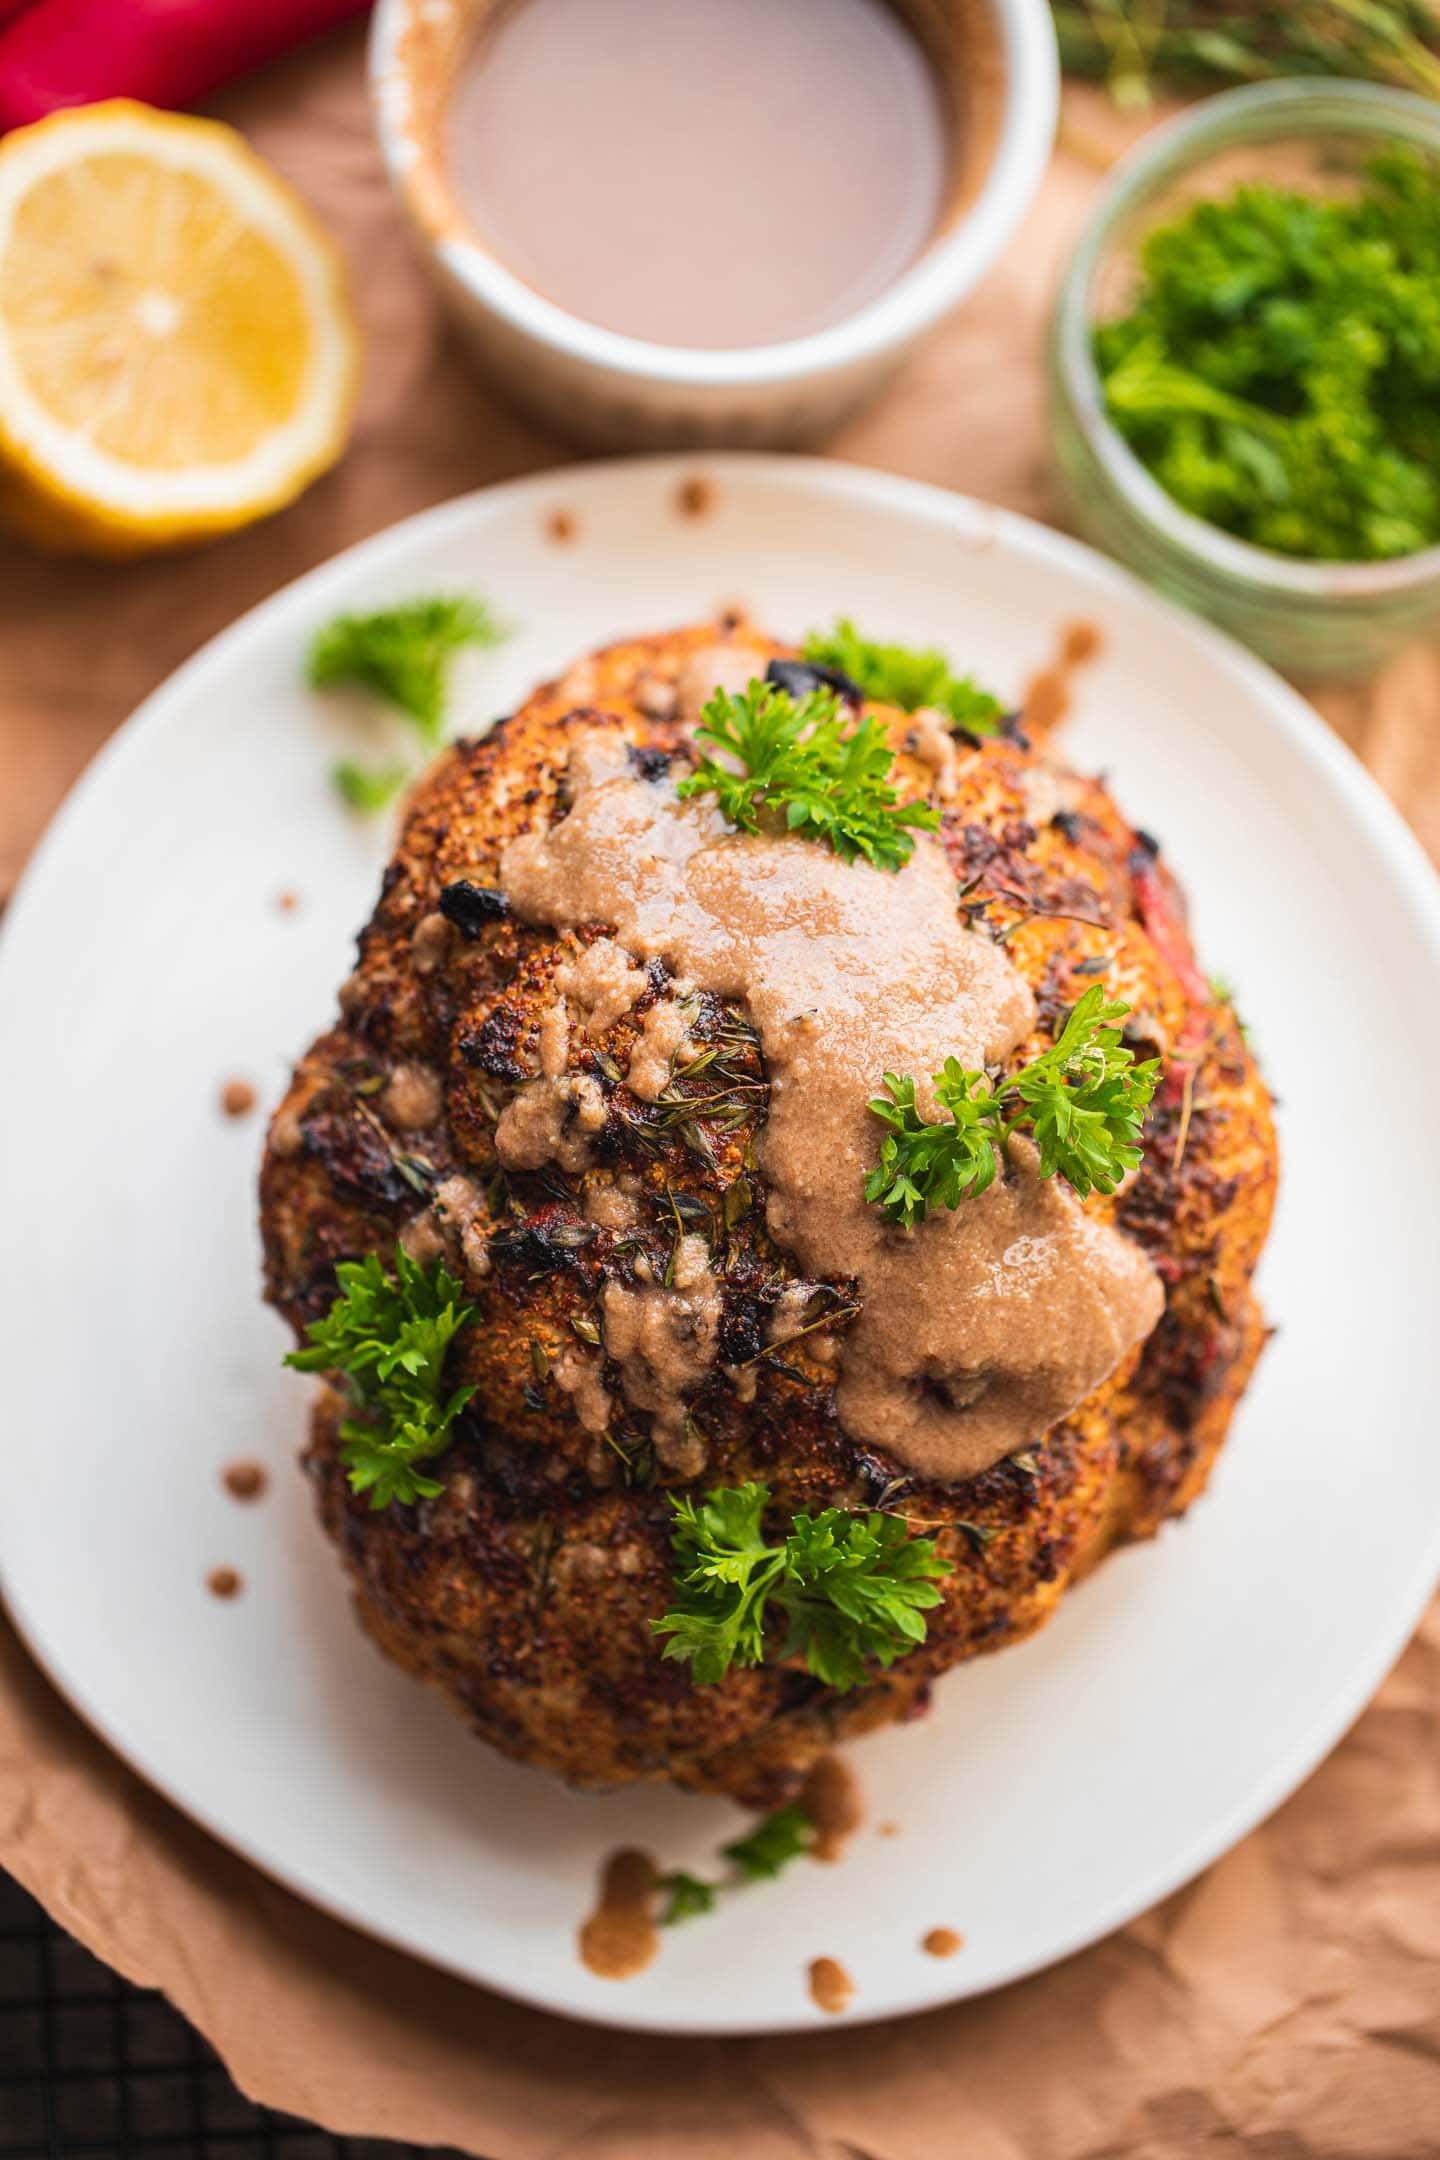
<point>1279,371</point>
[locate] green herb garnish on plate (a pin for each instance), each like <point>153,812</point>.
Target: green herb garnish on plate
<point>404,653</point>
<point>760,1856</point>
<point>774,1842</point>
<point>367,788</point>
<point>686,1896</point>
<point>1083,1102</point>
<point>848,1588</point>
<point>825,777</point>
<point>1279,370</point>
<point>386,1339</point>
<point>905,675</point>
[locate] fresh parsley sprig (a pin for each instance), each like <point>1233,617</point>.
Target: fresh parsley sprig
<point>1083,1100</point>
<point>388,1341</point>
<point>768,1850</point>
<point>905,675</point>
<point>686,1896</point>
<point>775,1841</point>
<point>1275,367</point>
<point>849,1588</point>
<point>367,788</point>
<point>403,654</point>
<point>828,779</point>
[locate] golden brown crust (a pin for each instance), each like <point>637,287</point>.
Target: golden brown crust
<point>525,1593</point>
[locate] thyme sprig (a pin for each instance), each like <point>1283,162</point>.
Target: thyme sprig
<point>826,777</point>
<point>1083,1101</point>
<point>387,1340</point>
<point>1200,44</point>
<point>850,1588</point>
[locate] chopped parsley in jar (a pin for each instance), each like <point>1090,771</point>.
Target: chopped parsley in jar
<point>1279,370</point>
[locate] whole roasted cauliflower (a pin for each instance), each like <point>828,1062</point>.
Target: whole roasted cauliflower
<point>526,1588</point>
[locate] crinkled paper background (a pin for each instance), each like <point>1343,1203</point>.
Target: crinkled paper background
<point>1286,2006</point>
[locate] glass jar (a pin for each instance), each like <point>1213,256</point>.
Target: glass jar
<point>1312,619</point>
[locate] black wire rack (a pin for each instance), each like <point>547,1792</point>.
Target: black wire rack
<point>94,2069</point>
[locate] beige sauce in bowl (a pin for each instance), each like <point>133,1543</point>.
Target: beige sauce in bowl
<point>707,173</point>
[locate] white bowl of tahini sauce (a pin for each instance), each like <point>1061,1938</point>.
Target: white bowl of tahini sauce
<point>676,222</point>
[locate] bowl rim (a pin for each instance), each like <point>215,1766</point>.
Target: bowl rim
<point>1177,146</point>
<point>940,277</point>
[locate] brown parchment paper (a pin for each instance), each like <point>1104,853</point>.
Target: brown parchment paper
<point>1285,2006</point>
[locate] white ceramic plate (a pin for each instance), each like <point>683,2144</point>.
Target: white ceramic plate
<point>1058,1788</point>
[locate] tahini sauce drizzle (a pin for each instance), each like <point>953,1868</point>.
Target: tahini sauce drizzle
<point>985,1325</point>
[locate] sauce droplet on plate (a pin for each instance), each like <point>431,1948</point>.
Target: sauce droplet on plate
<point>942,1942</point>
<point>224,1582</point>
<point>831,1988</point>
<point>620,1937</point>
<point>1047,695</point>
<point>694,497</point>
<point>835,1805</point>
<point>237,1098</point>
<point>245,1480</point>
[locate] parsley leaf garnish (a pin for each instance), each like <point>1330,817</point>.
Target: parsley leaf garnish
<point>403,653</point>
<point>686,1897</point>
<point>765,1853</point>
<point>367,788</point>
<point>772,1844</point>
<point>905,675</point>
<point>828,779</point>
<point>1084,1101</point>
<point>848,1587</point>
<point>388,1340</point>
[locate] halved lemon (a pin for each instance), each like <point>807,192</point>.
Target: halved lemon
<point>178,354</point>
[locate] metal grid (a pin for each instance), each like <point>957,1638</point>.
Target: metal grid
<point>93,2069</point>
